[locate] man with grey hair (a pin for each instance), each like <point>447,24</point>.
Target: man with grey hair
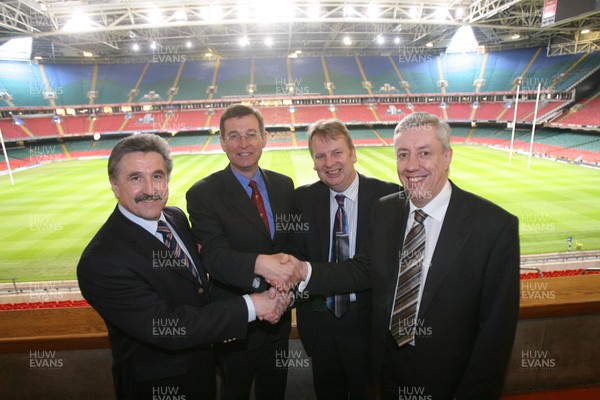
<point>141,272</point>
<point>443,267</point>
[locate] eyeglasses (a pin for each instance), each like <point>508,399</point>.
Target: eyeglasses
<point>250,136</point>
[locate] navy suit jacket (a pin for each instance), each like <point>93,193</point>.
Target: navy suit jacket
<point>469,308</point>
<point>160,320</point>
<point>312,204</point>
<point>232,234</point>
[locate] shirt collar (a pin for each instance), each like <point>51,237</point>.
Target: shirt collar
<point>437,207</point>
<point>258,178</point>
<point>351,192</point>
<point>150,226</point>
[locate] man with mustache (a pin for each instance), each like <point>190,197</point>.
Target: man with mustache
<point>141,272</point>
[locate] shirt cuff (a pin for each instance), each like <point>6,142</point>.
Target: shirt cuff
<point>302,285</point>
<point>251,309</point>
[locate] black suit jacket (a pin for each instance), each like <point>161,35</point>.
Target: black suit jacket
<point>470,301</point>
<point>159,319</point>
<point>312,204</point>
<point>232,235</point>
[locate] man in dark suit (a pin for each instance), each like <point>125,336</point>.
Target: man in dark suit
<point>336,340</point>
<point>233,214</point>
<point>443,267</point>
<point>141,272</point>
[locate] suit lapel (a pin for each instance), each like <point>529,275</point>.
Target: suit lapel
<point>456,228</point>
<point>363,217</point>
<point>398,216</point>
<point>150,246</point>
<point>323,220</point>
<point>238,199</point>
<point>192,249</point>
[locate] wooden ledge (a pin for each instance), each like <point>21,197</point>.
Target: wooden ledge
<point>81,328</point>
<point>559,297</point>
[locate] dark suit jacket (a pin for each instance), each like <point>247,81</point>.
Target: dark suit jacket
<point>470,300</point>
<point>312,203</point>
<point>159,319</point>
<point>232,235</point>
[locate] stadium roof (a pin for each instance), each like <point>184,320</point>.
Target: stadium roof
<point>111,30</point>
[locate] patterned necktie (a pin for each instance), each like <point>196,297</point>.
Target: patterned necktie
<point>258,202</point>
<point>175,250</point>
<point>340,303</point>
<point>409,282</point>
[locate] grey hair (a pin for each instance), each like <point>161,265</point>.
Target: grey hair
<point>144,142</point>
<point>426,121</point>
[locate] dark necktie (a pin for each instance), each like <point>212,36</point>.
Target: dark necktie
<point>258,202</point>
<point>340,303</point>
<point>409,282</point>
<point>175,250</point>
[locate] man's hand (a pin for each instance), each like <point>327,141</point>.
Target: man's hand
<point>300,265</point>
<point>279,270</point>
<point>270,305</point>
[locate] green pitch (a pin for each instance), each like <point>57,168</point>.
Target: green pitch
<point>53,211</point>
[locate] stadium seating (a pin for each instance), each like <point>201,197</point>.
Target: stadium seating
<point>196,78</point>
<point>233,77</point>
<point>345,75</point>
<point>116,81</point>
<point>270,76</point>
<point>586,115</point>
<point>308,75</point>
<point>74,84</point>
<point>354,113</point>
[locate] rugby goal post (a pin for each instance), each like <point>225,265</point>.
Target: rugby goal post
<point>6,158</point>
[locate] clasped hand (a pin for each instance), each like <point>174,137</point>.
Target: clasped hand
<point>271,304</point>
<point>280,270</point>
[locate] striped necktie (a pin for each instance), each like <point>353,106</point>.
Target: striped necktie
<point>409,282</point>
<point>175,250</point>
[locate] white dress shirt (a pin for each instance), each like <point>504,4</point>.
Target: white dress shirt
<point>436,211</point>
<point>351,209</point>
<point>152,228</point>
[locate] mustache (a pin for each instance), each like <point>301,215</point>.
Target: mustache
<point>144,197</point>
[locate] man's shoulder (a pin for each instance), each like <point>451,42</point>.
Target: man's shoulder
<point>276,176</point>
<point>210,181</point>
<point>311,188</point>
<point>175,213</point>
<point>482,205</point>
<point>108,237</point>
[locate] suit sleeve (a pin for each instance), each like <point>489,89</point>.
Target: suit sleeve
<point>223,262</point>
<point>353,275</point>
<point>498,315</point>
<point>128,302</point>
<point>297,242</point>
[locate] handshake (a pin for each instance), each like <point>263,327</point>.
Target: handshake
<point>283,272</point>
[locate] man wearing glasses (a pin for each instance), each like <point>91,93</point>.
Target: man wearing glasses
<point>233,214</point>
